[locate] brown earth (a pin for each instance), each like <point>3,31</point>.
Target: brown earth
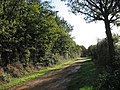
<point>54,80</point>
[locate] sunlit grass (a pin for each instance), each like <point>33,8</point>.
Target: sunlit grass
<point>36,74</point>
<point>22,79</point>
<point>86,88</point>
<point>84,78</point>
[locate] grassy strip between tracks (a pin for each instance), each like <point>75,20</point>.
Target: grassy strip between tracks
<point>85,78</point>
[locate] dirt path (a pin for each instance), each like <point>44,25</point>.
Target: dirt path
<point>54,80</point>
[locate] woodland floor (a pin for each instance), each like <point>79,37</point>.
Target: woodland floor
<point>54,80</point>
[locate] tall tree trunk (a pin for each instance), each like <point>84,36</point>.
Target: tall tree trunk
<point>110,41</point>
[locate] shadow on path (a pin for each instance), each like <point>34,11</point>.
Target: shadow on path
<point>54,80</point>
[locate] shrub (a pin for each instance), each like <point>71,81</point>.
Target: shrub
<point>102,53</point>
<point>109,79</point>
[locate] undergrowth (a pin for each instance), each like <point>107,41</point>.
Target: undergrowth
<point>30,76</point>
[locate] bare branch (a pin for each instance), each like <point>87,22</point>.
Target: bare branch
<point>111,3</point>
<point>92,9</point>
<point>114,15</point>
<point>93,4</point>
<point>92,16</point>
<point>113,20</point>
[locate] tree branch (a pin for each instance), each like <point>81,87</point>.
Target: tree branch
<point>113,20</point>
<point>113,15</point>
<point>95,5</point>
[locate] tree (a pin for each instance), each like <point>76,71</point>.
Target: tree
<point>83,51</point>
<point>96,10</point>
<point>9,22</point>
<point>92,52</point>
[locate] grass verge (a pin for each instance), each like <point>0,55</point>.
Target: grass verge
<point>30,76</point>
<point>85,77</point>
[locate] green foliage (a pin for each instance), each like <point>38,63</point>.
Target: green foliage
<point>83,51</point>
<point>92,52</point>
<point>102,53</point>
<point>30,32</point>
<point>109,77</point>
<point>108,80</point>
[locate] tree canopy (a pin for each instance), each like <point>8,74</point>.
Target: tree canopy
<point>94,10</point>
<point>31,32</point>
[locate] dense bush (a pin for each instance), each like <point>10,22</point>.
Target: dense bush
<point>102,53</point>
<point>31,33</point>
<point>92,52</point>
<point>108,80</point>
<point>110,76</point>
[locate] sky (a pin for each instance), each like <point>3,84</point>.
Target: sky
<point>84,33</point>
